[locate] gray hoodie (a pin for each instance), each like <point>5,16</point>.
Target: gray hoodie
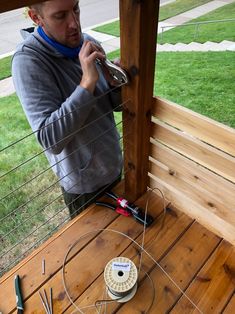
<point>75,128</point>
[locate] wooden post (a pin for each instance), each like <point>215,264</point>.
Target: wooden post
<point>138,22</point>
<point>7,5</point>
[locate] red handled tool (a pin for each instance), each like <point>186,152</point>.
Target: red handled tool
<point>125,208</point>
<point>117,209</point>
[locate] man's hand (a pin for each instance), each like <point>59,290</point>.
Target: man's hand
<point>88,54</point>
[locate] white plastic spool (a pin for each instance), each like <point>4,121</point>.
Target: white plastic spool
<point>121,276</point>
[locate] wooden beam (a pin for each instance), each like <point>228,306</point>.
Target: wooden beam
<point>7,5</point>
<point>138,22</point>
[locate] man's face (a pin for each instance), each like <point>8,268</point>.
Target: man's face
<point>60,20</point>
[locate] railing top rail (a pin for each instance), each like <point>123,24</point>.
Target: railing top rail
<point>197,23</point>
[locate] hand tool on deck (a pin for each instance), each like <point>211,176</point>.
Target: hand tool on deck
<point>19,298</point>
<point>126,208</point>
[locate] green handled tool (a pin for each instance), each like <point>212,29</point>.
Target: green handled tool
<point>19,299</point>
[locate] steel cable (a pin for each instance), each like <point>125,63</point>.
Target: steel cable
<point>29,181</point>
<point>49,124</point>
<point>51,231</point>
<point>44,171</point>
<point>32,199</point>
<point>66,137</point>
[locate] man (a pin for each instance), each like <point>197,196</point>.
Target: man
<point>67,100</point>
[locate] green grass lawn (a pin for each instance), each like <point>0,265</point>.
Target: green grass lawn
<point>14,126</point>
<point>201,81</point>
<point>166,11</point>
<point>178,7</point>
<point>216,32</point>
<point>110,28</point>
<point>29,217</point>
<point>5,67</point>
<point>210,32</point>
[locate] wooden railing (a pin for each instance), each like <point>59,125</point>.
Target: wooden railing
<point>192,160</point>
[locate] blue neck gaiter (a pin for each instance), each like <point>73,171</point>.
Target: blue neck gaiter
<point>64,50</point>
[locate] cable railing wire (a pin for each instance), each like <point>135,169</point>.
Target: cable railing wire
<point>54,229</point>
<point>39,210</point>
<point>14,211</point>
<point>32,232</point>
<point>47,188</point>
<point>49,124</point>
<point>42,172</point>
<point>19,242</point>
<point>66,137</point>
<point>41,192</point>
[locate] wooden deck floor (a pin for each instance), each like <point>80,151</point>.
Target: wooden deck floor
<point>199,262</point>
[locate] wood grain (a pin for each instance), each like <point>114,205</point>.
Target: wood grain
<point>86,265</point>
<point>53,251</point>
<point>214,284</point>
<point>201,127</point>
<point>198,183</point>
<point>175,193</point>
<point>196,150</point>
<point>186,180</point>
<point>138,27</point>
<point>164,239</point>
<point>181,264</point>
<point>195,175</point>
<point>187,251</point>
<point>230,306</point>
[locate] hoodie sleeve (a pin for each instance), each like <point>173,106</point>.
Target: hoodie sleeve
<point>115,92</point>
<point>54,123</point>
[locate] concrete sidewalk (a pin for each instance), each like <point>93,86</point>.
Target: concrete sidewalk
<point>112,43</point>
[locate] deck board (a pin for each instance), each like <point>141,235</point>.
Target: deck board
<point>181,263</point>
<point>230,306</point>
<point>53,252</point>
<point>188,252</point>
<point>105,246</point>
<point>214,284</point>
<point>164,242</point>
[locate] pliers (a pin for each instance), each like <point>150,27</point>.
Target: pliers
<point>117,73</point>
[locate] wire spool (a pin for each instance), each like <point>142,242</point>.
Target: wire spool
<point>121,276</point>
